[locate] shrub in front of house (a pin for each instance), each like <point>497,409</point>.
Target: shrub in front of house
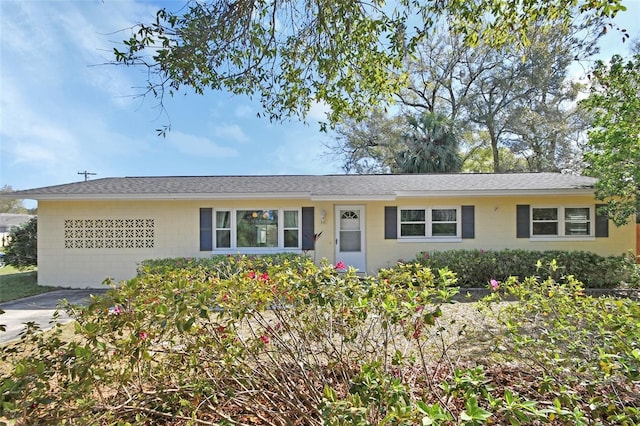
<point>283,341</point>
<point>224,265</point>
<point>475,268</point>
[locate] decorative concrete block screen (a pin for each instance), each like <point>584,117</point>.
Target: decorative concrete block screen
<point>109,233</point>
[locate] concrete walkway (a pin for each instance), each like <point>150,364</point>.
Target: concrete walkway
<point>39,309</point>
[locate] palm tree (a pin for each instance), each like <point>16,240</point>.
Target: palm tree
<point>431,146</point>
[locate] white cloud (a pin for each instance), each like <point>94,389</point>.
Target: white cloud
<point>319,111</point>
<point>302,152</point>
<point>231,131</point>
<point>243,111</point>
<point>198,146</point>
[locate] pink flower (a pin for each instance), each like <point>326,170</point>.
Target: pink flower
<point>143,335</point>
<point>494,284</point>
<point>265,339</point>
<point>340,265</point>
<point>416,333</point>
<point>426,256</point>
<point>252,275</point>
<point>264,277</point>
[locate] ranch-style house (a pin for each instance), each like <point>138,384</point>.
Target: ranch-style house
<point>100,228</point>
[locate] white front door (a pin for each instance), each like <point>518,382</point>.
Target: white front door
<point>350,247</point>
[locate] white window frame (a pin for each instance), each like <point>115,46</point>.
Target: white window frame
<point>428,237</point>
<point>562,224</point>
<point>257,250</point>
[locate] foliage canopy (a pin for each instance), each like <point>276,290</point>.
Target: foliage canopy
<point>343,53</point>
<point>22,250</point>
<point>614,140</point>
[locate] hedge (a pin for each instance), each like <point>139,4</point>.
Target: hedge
<point>475,268</point>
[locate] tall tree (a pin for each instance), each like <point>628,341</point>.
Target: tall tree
<point>11,206</point>
<point>431,146</point>
<point>517,96</point>
<point>614,138</point>
<point>22,250</point>
<point>369,145</point>
<point>346,53</point>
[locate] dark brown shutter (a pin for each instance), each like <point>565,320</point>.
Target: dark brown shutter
<point>206,229</point>
<point>391,223</point>
<point>522,221</point>
<point>602,222</point>
<point>308,228</point>
<point>468,222</point>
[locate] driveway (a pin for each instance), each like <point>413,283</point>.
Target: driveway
<point>39,309</point>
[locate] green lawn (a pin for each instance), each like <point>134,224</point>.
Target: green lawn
<point>15,284</point>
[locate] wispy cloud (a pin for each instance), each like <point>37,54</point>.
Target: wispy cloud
<point>198,146</point>
<point>231,131</point>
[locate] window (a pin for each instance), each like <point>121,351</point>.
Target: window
<point>257,228</point>
<point>223,229</point>
<point>545,221</point>
<point>444,223</point>
<point>577,221</point>
<point>561,222</point>
<point>291,229</point>
<point>432,222</point>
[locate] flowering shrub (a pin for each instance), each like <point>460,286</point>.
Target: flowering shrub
<point>279,340</point>
<point>474,268</point>
<point>224,341</point>
<point>583,351</point>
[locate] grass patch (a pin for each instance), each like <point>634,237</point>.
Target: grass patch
<point>16,285</point>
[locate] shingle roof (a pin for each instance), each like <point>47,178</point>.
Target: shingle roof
<point>307,186</point>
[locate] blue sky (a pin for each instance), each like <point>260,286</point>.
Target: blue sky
<point>62,110</point>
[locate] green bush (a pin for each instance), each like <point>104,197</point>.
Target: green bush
<point>279,340</point>
<point>222,265</point>
<point>583,351</point>
<point>475,268</point>
<point>22,250</point>
<point>240,339</point>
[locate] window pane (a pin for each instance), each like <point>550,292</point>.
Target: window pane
<point>577,228</point>
<point>443,229</point>
<point>412,230</point>
<point>349,220</point>
<point>257,228</point>
<point>443,215</point>
<point>223,239</point>
<point>349,240</point>
<point>576,214</point>
<point>545,214</point>
<point>412,215</point>
<point>291,238</point>
<point>545,228</point>
<point>290,219</point>
<point>223,219</point>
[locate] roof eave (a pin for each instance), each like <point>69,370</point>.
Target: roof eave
<point>166,196</point>
<point>494,193</point>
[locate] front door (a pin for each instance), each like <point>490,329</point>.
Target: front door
<point>350,247</point>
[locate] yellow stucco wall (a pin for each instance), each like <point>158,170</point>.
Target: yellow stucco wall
<point>176,226</point>
<point>495,228</point>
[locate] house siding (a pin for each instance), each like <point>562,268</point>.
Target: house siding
<point>177,233</point>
